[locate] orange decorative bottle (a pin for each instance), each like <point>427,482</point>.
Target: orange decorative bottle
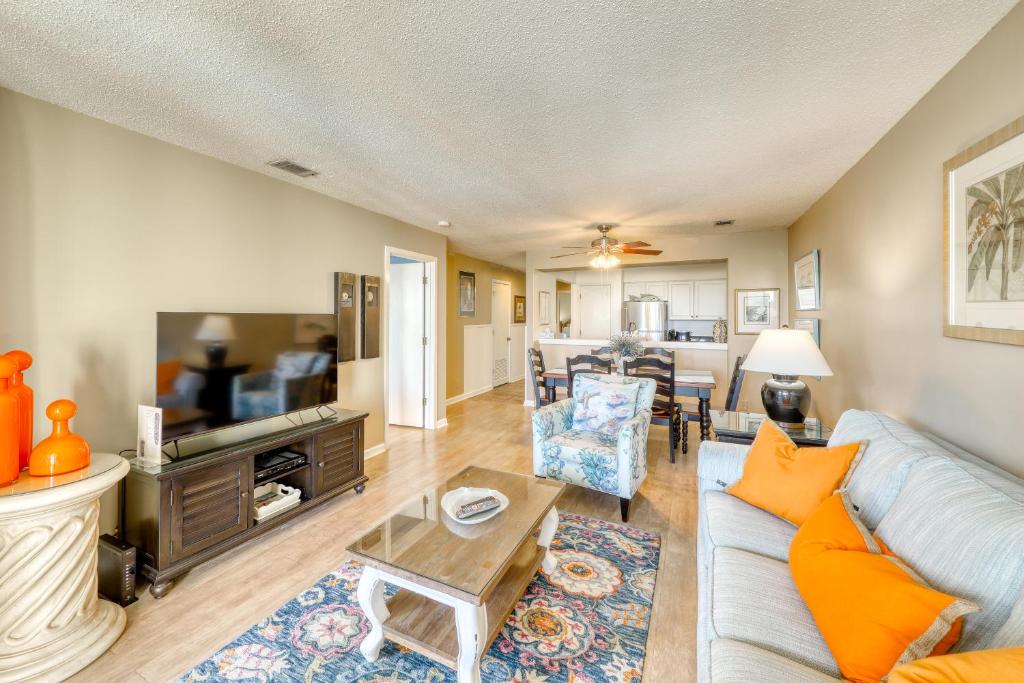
<point>23,393</point>
<point>9,469</point>
<point>62,451</point>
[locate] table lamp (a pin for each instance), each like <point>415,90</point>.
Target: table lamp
<point>216,329</point>
<point>786,354</point>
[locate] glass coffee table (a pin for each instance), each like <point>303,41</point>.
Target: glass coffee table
<point>733,427</point>
<point>457,582</point>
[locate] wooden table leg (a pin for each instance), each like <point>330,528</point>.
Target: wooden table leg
<point>550,386</point>
<point>471,625</point>
<point>371,600</point>
<point>704,407</point>
<point>547,532</point>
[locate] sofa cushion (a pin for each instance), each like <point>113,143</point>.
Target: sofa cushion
<point>986,665</point>
<point>736,662</point>
<point>892,450</point>
<point>964,537</point>
<point>602,406</point>
<point>754,600</point>
<point>735,524</point>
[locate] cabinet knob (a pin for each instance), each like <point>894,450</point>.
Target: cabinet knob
<point>245,494</point>
<point>320,465</point>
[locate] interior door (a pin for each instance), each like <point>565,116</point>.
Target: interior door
<point>595,311</point>
<point>407,343</point>
<point>501,323</point>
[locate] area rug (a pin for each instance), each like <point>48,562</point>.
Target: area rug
<point>586,622</point>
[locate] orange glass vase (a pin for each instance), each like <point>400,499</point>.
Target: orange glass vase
<point>9,423</point>
<point>25,397</point>
<point>62,451</point>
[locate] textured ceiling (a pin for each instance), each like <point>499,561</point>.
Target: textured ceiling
<point>519,122</point>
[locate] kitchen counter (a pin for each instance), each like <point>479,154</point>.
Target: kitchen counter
<point>595,343</point>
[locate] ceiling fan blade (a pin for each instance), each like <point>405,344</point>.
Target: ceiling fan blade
<point>635,244</point>
<point>644,252</point>
<point>575,254</point>
<point>579,247</point>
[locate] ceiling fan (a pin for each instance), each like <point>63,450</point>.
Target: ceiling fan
<point>606,249</point>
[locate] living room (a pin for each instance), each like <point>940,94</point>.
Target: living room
<point>820,206</point>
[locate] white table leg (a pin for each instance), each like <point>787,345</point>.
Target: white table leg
<point>547,532</point>
<point>371,599</point>
<point>471,625</point>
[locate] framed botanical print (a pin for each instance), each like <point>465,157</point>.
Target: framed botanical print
<point>983,239</point>
<point>812,325</point>
<point>518,309</point>
<point>543,308</point>
<point>807,279</point>
<point>756,310</point>
<point>467,294</point>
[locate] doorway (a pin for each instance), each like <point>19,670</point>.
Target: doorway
<point>410,357</point>
<point>501,326</point>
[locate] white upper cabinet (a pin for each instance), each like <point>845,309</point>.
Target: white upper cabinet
<point>709,299</point>
<point>658,289</point>
<point>680,300</point>
<point>633,289</point>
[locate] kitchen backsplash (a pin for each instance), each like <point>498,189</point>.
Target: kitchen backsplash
<point>697,328</point>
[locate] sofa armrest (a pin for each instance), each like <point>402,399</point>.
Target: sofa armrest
<point>720,465</point>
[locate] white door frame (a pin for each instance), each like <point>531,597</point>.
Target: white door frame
<point>430,310</point>
<point>508,343</point>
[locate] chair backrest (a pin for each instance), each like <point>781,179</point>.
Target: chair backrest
<point>732,398</point>
<point>603,352</point>
<point>659,352</point>
<point>644,398</point>
<point>535,361</point>
<point>586,363</point>
<point>663,373</point>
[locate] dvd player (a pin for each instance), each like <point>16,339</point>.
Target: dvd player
<point>269,465</point>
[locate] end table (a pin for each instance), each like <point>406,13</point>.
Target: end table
<point>734,427</point>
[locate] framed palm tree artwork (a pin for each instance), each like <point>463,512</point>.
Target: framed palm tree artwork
<point>983,239</point>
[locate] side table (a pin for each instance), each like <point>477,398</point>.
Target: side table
<point>52,621</point>
<point>734,427</point>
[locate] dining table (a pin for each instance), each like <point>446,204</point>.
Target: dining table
<point>690,383</point>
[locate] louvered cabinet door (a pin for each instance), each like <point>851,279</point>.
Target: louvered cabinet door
<point>339,457</point>
<point>209,506</point>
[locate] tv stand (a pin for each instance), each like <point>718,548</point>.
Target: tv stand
<point>191,509</point>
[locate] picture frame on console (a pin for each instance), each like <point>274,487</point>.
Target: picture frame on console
<point>983,190</point>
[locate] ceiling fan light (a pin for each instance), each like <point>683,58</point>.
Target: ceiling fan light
<point>611,261</point>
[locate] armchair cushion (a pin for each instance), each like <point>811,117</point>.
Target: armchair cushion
<point>586,458</point>
<point>603,406</point>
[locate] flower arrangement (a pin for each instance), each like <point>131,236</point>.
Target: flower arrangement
<point>626,345</point>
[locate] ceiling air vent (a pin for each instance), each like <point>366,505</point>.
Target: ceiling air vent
<point>722,224</point>
<point>294,168</point>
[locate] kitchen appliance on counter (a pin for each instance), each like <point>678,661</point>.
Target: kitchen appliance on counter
<point>647,317</point>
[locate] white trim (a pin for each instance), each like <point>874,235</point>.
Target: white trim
<point>530,403</point>
<point>442,423</point>
<point>468,394</point>
<point>375,450</point>
<point>430,378</point>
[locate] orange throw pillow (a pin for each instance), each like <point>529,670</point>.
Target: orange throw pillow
<point>166,373</point>
<point>872,610</point>
<point>984,666</point>
<point>789,481</point>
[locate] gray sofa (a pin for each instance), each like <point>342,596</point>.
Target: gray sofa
<point>955,519</point>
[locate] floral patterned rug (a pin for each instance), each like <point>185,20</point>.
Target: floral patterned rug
<point>586,622</point>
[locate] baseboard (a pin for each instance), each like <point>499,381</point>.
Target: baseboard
<point>530,403</point>
<point>442,423</point>
<point>468,394</point>
<point>516,379</point>
<point>374,450</point>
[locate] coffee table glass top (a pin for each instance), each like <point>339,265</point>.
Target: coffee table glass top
<point>422,540</point>
<point>746,424</point>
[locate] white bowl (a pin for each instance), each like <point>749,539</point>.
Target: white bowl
<point>453,500</point>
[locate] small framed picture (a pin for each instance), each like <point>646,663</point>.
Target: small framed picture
<point>519,309</point>
<point>807,278</point>
<point>756,310</point>
<point>467,294</point>
<point>543,308</point>
<point>812,325</point>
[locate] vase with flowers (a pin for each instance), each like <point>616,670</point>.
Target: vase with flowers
<point>625,347</point>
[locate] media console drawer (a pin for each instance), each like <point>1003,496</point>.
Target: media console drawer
<point>182,513</point>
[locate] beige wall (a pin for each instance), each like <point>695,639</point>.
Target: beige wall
<point>103,227</point>
<point>879,230</point>
<point>754,260</point>
<point>485,273</point>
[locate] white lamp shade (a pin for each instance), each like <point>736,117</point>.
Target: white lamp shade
<point>787,352</point>
<point>216,328</point>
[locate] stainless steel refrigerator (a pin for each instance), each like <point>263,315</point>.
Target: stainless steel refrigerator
<point>648,318</point>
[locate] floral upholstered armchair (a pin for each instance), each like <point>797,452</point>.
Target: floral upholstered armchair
<point>612,461</point>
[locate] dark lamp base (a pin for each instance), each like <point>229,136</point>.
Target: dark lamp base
<point>787,400</point>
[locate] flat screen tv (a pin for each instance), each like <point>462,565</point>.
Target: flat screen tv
<point>218,369</point>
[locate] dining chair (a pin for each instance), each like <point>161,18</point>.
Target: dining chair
<point>535,361</point>
<point>732,399</point>
<point>585,363</point>
<point>664,409</point>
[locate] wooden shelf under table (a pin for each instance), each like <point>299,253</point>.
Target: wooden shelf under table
<point>428,627</point>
